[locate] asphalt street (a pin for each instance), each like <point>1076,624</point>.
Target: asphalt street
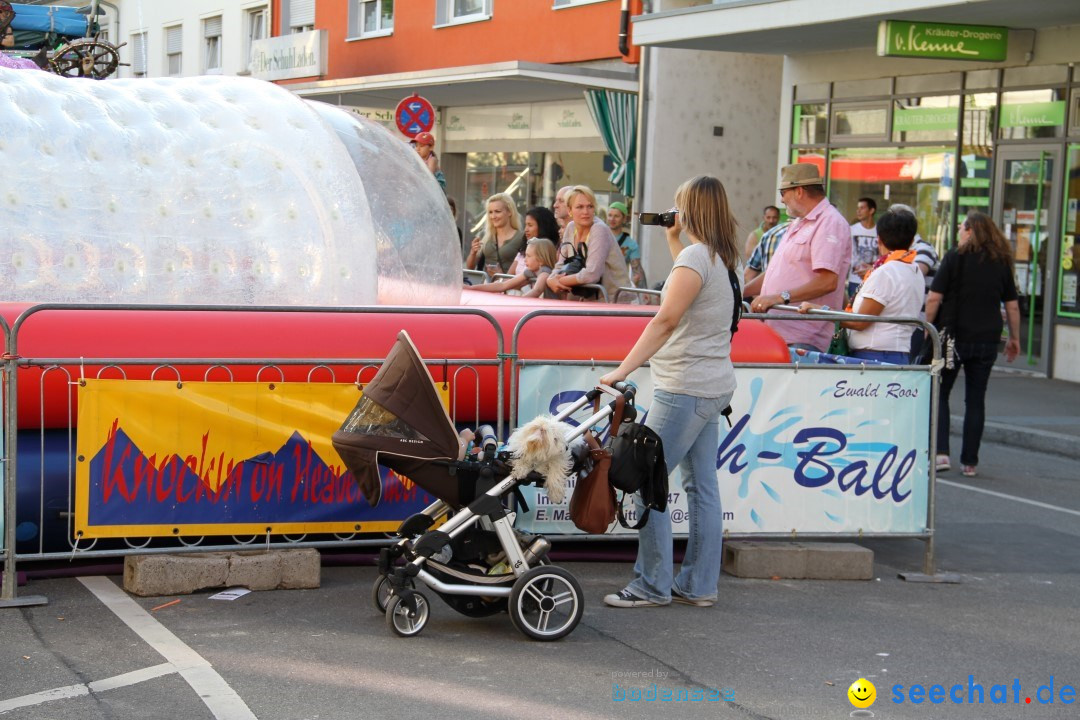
<point>778,649</point>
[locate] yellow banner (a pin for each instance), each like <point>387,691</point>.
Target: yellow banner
<point>208,458</point>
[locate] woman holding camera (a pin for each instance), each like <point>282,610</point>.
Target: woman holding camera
<point>688,346</point>
<point>595,257</point>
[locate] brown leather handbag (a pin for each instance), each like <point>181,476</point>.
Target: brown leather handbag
<point>592,506</point>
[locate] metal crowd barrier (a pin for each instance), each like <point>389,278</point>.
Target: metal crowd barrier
<point>644,293</point>
<point>933,369</point>
<point>478,276</point>
<point>13,362</point>
<point>320,367</point>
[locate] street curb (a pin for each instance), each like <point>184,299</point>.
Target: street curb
<point>1037,440</point>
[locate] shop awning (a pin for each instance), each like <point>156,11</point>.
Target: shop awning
<point>492,84</point>
<point>882,169</point>
<point>791,27</point>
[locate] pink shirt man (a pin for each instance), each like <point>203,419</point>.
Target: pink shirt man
<point>819,241</point>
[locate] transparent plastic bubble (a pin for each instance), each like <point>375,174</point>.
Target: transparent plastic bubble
<point>417,246</point>
<point>179,191</point>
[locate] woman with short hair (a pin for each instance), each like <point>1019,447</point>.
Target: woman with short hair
<point>893,289</point>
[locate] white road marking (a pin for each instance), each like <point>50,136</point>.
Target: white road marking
<point>221,699</point>
<point>1036,503</point>
<point>70,691</point>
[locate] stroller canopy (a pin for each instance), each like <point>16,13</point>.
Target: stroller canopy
<point>401,423</point>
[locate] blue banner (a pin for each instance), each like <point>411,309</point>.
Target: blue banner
<point>818,450</point>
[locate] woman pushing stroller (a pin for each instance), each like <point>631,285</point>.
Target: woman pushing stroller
<point>688,346</point>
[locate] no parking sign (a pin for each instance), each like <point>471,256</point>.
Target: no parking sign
<point>414,115</point>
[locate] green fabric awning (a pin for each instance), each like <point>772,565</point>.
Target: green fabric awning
<point>615,114</point>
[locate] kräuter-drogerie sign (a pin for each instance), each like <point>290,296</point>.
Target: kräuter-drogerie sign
<point>899,38</point>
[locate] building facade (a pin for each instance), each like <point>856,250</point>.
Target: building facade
<point>181,39</point>
<point>506,79</point>
<point>953,107</point>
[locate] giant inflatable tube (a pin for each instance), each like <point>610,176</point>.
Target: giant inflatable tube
<point>108,337</point>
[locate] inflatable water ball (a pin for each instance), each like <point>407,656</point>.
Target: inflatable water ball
<point>203,190</point>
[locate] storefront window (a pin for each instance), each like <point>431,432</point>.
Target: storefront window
<point>976,154</point>
<point>919,177</point>
<point>927,119</point>
<point>862,120</point>
<point>1074,114</point>
<point>1068,300</point>
<point>1027,114</point>
<point>809,124</point>
<point>815,156</point>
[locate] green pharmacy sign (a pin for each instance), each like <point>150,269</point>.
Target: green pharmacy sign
<point>920,118</point>
<point>1039,114</point>
<point>898,38</point>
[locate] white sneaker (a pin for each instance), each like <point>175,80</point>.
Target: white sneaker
<point>943,463</point>
<point>626,599</point>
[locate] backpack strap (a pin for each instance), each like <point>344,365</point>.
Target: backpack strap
<point>736,300</point>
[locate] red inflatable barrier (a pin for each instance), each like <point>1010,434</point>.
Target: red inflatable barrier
<point>108,337</point>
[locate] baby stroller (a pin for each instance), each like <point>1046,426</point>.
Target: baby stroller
<point>475,560</point>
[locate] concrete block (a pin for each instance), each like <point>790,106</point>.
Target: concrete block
<point>254,570</point>
<point>764,559</point>
<point>300,568</point>
<point>838,561</point>
<point>153,575</point>
<point>798,560</point>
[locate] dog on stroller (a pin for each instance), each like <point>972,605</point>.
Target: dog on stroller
<point>463,547</point>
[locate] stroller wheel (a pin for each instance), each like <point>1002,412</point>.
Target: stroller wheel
<point>380,593</point>
<point>402,619</point>
<point>381,590</point>
<point>546,603</point>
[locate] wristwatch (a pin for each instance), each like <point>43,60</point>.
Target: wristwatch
<point>786,297</point>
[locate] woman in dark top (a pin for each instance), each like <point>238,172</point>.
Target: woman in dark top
<point>970,286</point>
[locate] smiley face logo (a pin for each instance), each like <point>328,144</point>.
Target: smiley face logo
<point>862,693</point>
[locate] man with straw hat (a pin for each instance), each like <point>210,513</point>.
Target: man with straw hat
<point>811,263</point>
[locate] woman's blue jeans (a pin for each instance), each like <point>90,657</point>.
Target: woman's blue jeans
<point>689,428</point>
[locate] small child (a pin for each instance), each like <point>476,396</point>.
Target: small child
<point>540,257</point>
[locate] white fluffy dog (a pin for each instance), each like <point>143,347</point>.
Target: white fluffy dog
<point>540,445</point>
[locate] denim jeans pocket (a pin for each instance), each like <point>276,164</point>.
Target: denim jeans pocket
<point>708,408</point>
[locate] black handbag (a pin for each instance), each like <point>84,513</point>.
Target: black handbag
<point>637,463</point>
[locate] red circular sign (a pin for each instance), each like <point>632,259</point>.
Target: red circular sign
<point>414,115</point>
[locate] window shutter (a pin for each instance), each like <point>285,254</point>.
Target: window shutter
<point>301,12</point>
<point>212,27</point>
<point>138,53</point>
<point>174,40</point>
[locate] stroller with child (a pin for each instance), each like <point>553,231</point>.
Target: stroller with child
<point>463,547</point>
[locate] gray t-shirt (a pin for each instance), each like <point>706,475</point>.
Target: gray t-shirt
<point>696,359</point>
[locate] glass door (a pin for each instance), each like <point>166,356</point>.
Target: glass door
<point>1026,208</point>
<point>1069,266</point>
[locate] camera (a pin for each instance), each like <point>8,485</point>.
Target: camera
<point>666,219</point>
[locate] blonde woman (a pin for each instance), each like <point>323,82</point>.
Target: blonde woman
<point>603,261</point>
<point>503,237</point>
<point>688,346</point>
